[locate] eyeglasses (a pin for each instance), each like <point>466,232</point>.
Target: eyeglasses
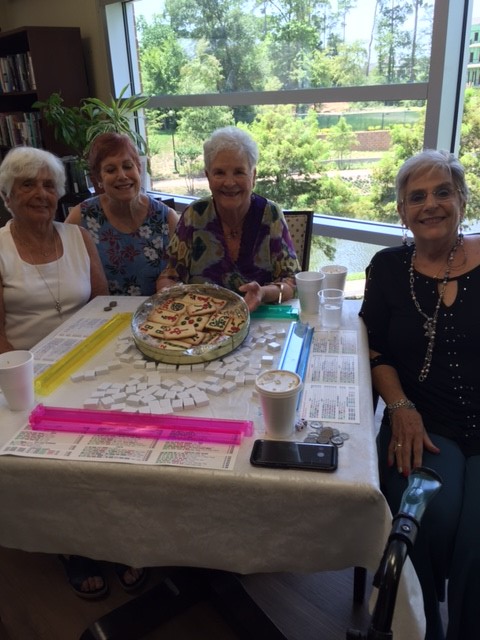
<point>418,198</point>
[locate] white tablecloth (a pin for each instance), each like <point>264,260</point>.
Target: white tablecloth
<point>246,520</point>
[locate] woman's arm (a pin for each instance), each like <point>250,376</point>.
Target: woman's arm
<point>273,293</point>
<point>409,436</point>
<point>98,281</point>
<point>5,345</point>
<point>172,219</point>
<point>74,215</point>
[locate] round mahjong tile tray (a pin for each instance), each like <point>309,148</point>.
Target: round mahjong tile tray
<point>190,323</point>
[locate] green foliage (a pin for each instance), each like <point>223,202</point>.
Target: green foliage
<point>77,126</point>
<point>230,35</point>
<point>161,63</point>
<point>69,123</point>
<point>289,146</point>
<point>114,117</point>
<point>189,153</point>
<point>342,140</point>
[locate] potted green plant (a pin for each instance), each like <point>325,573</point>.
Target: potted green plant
<point>77,126</point>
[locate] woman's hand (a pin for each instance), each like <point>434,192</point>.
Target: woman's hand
<point>409,439</point>
<point>253,294</point>
<point>164,282</point>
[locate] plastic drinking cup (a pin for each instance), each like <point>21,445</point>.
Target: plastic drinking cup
<point>331,302</point>
<point>16,379</point>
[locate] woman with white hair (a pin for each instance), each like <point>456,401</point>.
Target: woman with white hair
<point>48,270</point>
<point>233,238</point>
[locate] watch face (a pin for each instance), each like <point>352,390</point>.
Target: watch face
<point>186,324</point>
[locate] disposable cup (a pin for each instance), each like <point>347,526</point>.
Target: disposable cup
<point>16,379</point>
<point>309,284</point>
<point>335,276</point>
<point>331,302</point>
<point>278,391</point>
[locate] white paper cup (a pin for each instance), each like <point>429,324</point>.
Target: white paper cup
<point>335,276</point>
<point>278,391</point>
<point>331,302</point>
<point>16,379</point>
<point>309,284</point>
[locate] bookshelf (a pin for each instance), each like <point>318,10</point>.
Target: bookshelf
<point>35,62</point>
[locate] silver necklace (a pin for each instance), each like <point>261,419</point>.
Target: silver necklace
<point>430,324</point>
<point>56,300</point>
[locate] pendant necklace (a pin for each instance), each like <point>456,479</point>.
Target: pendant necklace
<point>430,324</point>
<point>233,232</point>
<point>56,300</point>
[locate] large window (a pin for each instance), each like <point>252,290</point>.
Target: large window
<point>337,93</point>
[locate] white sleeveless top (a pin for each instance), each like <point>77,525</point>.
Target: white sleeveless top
<point>30,312</point>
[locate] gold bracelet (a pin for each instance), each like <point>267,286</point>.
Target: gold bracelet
<point>280,294</point>
<point>280,291</point>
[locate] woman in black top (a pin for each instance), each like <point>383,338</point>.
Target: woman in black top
<point>422,313</point>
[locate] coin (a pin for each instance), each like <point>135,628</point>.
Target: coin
<point>344,436</point>
<point>327,432</point>
<point>337,441</point>
<point>322,439</point>
<point>312,439</point>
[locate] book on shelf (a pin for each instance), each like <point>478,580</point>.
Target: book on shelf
<point>19,128</point>
<point>16,73</point>
<point>76,178</point>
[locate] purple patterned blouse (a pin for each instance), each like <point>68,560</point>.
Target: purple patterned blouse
<point>198,252</point>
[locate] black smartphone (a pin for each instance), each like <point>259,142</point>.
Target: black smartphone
<point>294,455</point>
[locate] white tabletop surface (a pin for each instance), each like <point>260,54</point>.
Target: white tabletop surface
<point>246,520</point>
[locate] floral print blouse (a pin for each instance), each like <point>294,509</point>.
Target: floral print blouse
<point>132,261</point>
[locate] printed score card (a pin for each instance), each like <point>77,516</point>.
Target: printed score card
<point>331,391</point>
<point>101,448</point>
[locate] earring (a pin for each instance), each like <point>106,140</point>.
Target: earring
<point>460,228</point>
<point>404,235</point>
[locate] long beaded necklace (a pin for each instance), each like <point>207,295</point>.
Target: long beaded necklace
<point>430,324</point>
<point>56,300</point>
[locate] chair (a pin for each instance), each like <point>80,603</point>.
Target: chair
<point>168,202</point>
<point>300,225</point>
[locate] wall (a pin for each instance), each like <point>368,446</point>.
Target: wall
<point>373,140</point>
<point>67,13</point>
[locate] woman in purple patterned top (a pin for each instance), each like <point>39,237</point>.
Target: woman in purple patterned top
<point>234,238</point>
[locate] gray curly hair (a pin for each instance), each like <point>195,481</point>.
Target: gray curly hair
<point>231,139</point>
<point>26,162</point>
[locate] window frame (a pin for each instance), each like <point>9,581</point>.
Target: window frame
<point>448,68</point>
